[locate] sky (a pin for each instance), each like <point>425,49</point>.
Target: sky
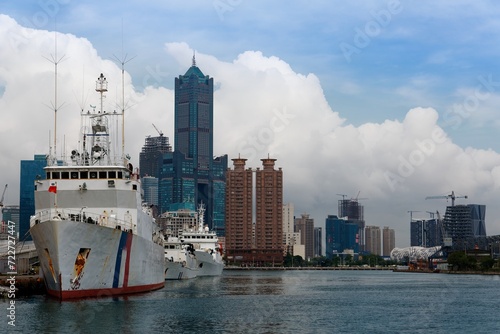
<point>386,101</point>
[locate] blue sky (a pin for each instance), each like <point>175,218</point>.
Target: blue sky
<point>370,62</point>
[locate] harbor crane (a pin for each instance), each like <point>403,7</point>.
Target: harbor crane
<point>452,196</point>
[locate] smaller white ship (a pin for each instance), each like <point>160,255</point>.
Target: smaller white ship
<point>207,251</point>
<point>180,261</point>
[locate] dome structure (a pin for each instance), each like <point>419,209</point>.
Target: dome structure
<point>413,253</point>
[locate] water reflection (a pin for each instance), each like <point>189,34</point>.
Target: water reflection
<point>254,284</point>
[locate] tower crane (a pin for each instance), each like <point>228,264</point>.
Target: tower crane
<point>159,132</point>
<point>447,241</point>
<point>1,203</point>
<point>3,195</point>
<point>452,196</point>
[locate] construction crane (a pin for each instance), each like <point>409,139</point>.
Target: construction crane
<point>159,132</point>
<point>3,195</point>
<point>1,203</point>
<point>343,196</point>
<point>447,241</point>
<point>411,214</point>
<point>452,196</point>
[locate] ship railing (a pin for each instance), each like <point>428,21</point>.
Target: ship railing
<point>106,219</point>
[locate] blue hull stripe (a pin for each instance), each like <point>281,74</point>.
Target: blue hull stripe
<point>123,242</point>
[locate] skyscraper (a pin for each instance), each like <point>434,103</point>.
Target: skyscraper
<point>318,241</point>
<point>341,234</point>
<point>194,114</point>
<point>269,213</point>
<point>464,222</point>
<point>239,225</point>
<point>305,226</point>
<point>372,240</point>
<point>425,233</point>
<point>30,170</point>
<point>149,186</point>
<point>290,237</point>
<point>191,175</point>
<point>388,240</point>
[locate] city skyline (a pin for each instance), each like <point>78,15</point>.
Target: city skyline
<point>390,99</point>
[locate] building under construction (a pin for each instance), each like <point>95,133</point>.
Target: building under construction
<point>150,156</point>
<point>463,223</point>
<point>354,212</point>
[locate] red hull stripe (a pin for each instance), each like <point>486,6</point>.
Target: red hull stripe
<point>97,293</point>
<point>128,247</point>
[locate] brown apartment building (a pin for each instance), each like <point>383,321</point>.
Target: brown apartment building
<point>266,246</point>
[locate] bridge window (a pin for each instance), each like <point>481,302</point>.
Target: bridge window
<point>112,175</point>
<point>103,175</point>
<point>64,175</point>
<point>74,175</point>
<point>84,175</point>
<point>93,175</point>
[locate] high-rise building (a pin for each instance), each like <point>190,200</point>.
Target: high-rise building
<point>464,222</point>
<point>417,233</point>
<point>30,171</point>
<point>354,212</point>
<point>260,242</point>
<point>388,240</point>
<point>290,237</point>
<point>372,240</point>
<point>305,226</point>
<point>239,225</point>
<point>341,234</point>
<point>191,174</point>
<point>269,213</point>
<point>150,157</point>
<point>318,242</point>
<point>425,233</point>
<point>149,186</point>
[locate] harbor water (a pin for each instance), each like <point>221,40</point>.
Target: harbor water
<point>279,302</point>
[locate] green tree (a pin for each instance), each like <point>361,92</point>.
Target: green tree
<point>487,263</point>
<point>460,261</point>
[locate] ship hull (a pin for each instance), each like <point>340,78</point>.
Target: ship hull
<point>209,264</point>
<point>178,271</point>
<point>80,260</point>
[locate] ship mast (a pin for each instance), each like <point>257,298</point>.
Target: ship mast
<point>122,62</point>
<point>55,61</point>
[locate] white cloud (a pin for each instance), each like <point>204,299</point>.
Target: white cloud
<point>262,106</point>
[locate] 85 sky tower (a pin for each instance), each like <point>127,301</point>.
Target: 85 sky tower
<point>191,175</point>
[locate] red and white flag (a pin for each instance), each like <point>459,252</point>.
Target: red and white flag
<point>53,188</point>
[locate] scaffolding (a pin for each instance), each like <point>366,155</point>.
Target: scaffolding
<point>350,208</point>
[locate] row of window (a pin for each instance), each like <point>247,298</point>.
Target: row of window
<point>199,237</point>
<point>84,175</point>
